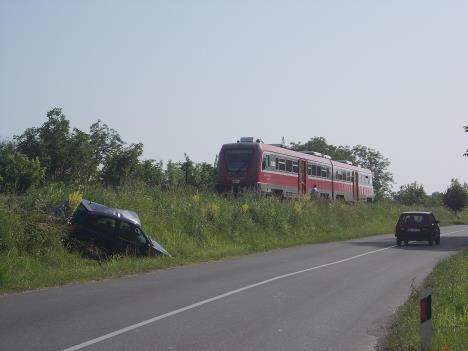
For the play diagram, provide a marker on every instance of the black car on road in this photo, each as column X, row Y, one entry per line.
column 417, row 226
column 112, row 230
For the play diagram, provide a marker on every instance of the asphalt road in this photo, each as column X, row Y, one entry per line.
column 334, row 296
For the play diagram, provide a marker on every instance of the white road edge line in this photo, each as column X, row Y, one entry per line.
column 219, row 297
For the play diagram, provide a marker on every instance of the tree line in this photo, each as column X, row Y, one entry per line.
column 54, row 152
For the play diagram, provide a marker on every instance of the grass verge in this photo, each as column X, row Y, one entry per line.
column 449, row 283
column 192, row 226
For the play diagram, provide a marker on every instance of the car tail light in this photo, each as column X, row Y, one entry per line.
column 401, row 227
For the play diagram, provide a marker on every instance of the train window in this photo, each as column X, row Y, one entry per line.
column 339, row 174
column 277, row 163
column 324, row 172
column 282, row 164
column 367, row 180
column 348, row 176
column 295, row 167
column 309, row 170
column 267, row 161
column 289, row 167
column 238, row 159
column 314, row 170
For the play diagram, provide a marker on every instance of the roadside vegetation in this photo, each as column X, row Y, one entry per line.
column 449, row 283
column 192, row 225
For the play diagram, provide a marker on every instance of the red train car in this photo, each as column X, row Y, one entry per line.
column 275, row 169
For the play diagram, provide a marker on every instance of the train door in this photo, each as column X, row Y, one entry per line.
column 356, row 186
column 302, row 178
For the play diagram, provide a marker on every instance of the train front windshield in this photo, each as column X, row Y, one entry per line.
column 237, row 160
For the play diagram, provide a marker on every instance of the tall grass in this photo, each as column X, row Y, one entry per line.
column 449, row 283
column 192, row 226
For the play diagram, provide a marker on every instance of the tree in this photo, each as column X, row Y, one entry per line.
column 123, row 165
column 18, row 173
column 456, row 196
column 204, row 175
column 319, row 144
column 150, row 172
column 78, row 156
column 65, row 156
column 174, row 175
column 411, row 194
column 105, row 141
column 378, row 164
column 187, row 168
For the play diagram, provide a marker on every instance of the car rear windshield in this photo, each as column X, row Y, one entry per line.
column 414, row 219
column 238, row 159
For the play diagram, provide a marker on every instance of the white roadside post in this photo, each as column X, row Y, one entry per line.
column 425, row 313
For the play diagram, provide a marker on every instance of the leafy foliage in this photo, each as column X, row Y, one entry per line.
column 360, row 155
column 378, row 164
column 17, row 172
column 319, row 144
column 456, row 196
column 122, row 165
column 411, row 194
column 75, row 156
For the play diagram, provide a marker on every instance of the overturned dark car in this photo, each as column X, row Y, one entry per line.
column 112, row 230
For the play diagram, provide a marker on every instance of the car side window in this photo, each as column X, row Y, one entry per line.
column 103, row 224
column 131, row 233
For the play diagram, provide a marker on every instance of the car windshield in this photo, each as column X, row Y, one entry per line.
column 413, row 219
column 238, row 159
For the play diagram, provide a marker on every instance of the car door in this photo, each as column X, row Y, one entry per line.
column 130, row 238
column 102, row 231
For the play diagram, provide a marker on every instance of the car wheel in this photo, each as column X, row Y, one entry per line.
column 431, row 241
column 406, row 242
column 438, row 240
column 398, row 241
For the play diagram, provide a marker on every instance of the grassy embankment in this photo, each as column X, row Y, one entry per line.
column 192, row 226
column 449, row 283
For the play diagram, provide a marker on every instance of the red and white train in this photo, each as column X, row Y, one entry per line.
column 276, row 169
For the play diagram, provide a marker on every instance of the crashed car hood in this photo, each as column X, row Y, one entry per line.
column 155, row 245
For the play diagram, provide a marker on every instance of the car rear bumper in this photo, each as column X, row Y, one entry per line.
column 407, row 236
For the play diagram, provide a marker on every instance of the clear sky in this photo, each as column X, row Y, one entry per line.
column 188, row 76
